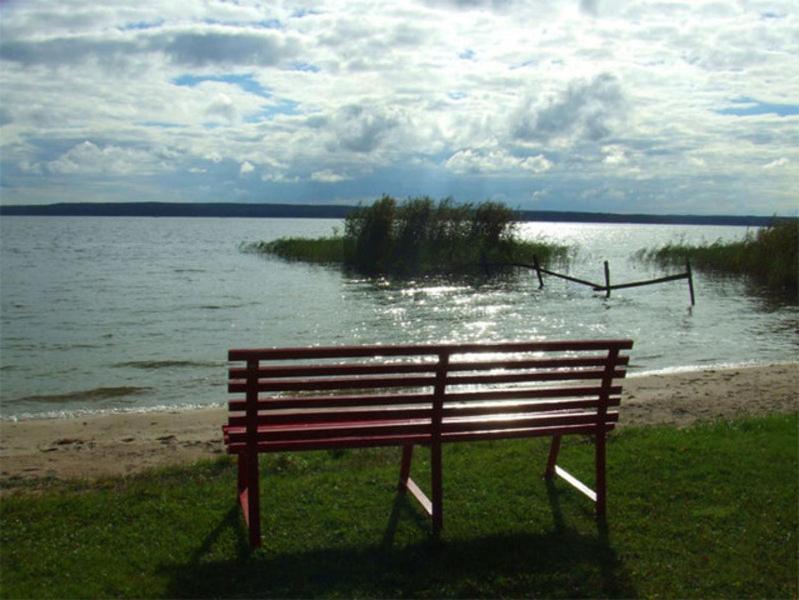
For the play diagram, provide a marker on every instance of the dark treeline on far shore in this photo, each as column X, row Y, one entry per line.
column 320, row 211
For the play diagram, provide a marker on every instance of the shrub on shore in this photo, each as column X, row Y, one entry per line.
column 771, row 256
column 420, row 236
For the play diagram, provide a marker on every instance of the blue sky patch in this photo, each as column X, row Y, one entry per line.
column 748, row 107
column 245, row 82
column 284, row 107
column 305, row 67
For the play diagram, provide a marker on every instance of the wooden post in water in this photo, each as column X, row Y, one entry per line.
column 538, row 272
column 607, row 280
column 690, row 280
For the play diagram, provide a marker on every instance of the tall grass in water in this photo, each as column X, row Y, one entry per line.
column 420, row 236
column 771, row 256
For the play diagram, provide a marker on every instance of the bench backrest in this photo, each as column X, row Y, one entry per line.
column 327, row 397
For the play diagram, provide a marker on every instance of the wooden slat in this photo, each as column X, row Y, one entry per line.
column 422, row 350
column 344, row 401
column 524, row 422
column 382, row 412
column 333, row 401
column 529, row 393
column 525, row 377
column 504, row 434
column 333, row 443
column 298, row 385
column 493, row 408
column 340, row 369
column 400, row 440
column 340, row 416
column 553, row 363
column 317, row 431
column 335, row 430
column 314, row 370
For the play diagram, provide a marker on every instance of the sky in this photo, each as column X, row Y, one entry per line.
column 626, row 106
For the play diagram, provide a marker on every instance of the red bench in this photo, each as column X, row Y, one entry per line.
column 316, row 398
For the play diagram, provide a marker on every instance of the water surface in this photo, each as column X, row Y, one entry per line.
column 102, row 313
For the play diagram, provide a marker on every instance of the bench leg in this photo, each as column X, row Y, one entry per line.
column 405, row 468
column 241, row 483
column 601, row 484
column 438, row 491
column 554, row 448
column 249, row 496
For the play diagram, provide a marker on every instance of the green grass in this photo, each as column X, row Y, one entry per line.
column 418, row 237
column 770, row 257
column 323, row 250
column 706, row 512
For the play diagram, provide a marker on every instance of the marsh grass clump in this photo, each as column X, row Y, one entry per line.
column 319, row 250
column 771, row 256
column 420, row 236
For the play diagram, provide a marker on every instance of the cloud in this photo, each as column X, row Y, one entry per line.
column 614, row 154
column 222, row 107
column 63, row 51
column 88, row 158
column 776, row 164
column 195, row 47
column 590, row 7
column 496, row 161
column 227, row 48
column 246, row 167
column 328, row 176
column 361, row 129
column 587, row 110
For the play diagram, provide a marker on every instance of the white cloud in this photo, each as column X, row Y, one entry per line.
column 88, row 158
column 776, row 164
column 614, row 154
column 328, row 176
column 246, row 167
column 495, row 162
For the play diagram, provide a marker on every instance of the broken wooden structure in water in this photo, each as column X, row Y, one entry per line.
column 608, row 287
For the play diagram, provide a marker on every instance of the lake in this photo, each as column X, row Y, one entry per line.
column 115, row 314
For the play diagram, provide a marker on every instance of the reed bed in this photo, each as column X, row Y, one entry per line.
column 770, row 256
column 420, row 236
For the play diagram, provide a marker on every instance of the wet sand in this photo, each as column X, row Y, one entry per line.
column 96, row 446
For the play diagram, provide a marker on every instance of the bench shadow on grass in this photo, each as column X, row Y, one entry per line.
column 559, row 562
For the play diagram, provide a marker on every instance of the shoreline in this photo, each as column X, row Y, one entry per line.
column 184, row 408
column 93, row 446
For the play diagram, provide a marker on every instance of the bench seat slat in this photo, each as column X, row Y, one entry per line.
column 377, row 441
column 377, row 413
column 368, row 429
column 288, row 403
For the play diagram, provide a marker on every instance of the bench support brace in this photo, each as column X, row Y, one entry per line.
column 553, row 469
column 431, row 507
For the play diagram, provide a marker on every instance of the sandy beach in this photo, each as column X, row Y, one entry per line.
column 91, row 447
